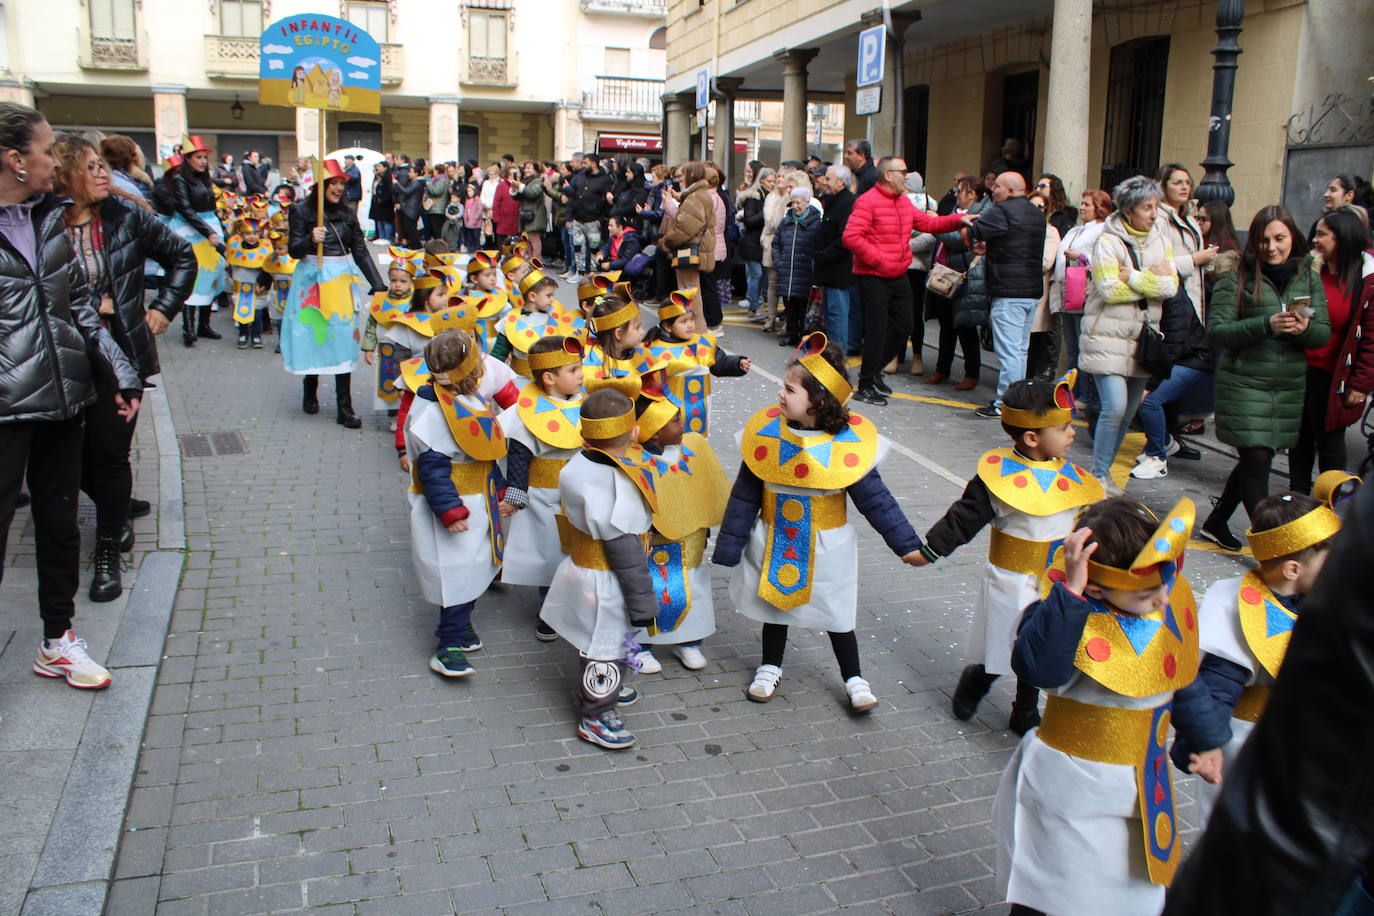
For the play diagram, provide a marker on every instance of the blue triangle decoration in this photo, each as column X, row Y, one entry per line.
column 572, row 414
column 1171, row 621
column 820, row 451
column 486, row 423
column 1045, row 477
column 1011, row 466
column 1276, row 619
column 543, row 405
column 1068, row 470
column 846, row 435
column 787, row 451
column 1139, row 630
column 772, row 429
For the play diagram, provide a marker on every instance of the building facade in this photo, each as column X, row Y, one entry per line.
column 1097, row 90
column 470, row 79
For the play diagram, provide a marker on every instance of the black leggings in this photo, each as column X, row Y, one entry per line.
column 106, row 476
column 845, row 645
column 1248, row 483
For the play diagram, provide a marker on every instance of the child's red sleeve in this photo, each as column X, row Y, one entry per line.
column 407, row 398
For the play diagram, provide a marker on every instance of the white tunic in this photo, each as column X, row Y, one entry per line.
column 1069, row 837
column 1002, row 594
column 700, row 621
column 532, row 550
column 834, row 575
column 1220, row 634
column 586, row 606
column 451, row 568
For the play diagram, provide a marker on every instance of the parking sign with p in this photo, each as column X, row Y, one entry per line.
column 872, row 45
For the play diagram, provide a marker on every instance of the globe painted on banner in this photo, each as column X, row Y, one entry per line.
column 315, row 61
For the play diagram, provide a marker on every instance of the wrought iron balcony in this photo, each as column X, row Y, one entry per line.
column 625, row 98
column 235, row 57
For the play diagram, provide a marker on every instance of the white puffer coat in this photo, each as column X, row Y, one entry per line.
column 1113, row 315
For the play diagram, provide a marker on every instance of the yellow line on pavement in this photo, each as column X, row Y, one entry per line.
column 943, row 402
column 1124, row 463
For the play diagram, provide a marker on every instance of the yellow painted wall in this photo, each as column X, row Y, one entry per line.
column 522, row 134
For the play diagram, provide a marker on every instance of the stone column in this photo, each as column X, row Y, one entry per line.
column 724, row 127
column 307, row 133
column 18, row 90
column 1066, row 122
column 677, row 144
column 567, row 130
column 794, row 64
column 443, row 128
column 169, row 118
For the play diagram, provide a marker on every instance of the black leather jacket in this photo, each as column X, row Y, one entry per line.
column 187, row 196
column 1293, row 825
column 50, row 334
column 343, row 236
column 134, row 235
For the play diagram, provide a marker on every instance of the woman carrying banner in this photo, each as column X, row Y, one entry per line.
column 320, row 332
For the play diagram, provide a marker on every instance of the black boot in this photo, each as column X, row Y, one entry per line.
column 974, row 684
column 310, row 402
column 203, row 328
column 343, row 396
column 188, row 325
column 105, row 584
column 1025, row 709
column 126, row 539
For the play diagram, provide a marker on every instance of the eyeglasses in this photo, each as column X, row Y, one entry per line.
column 1042, row 186
column 98, row 166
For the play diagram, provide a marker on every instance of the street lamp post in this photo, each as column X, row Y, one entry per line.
column 1215, row 185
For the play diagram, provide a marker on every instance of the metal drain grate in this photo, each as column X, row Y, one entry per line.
column 212, row 445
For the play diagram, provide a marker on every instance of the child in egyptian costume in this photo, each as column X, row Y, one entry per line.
column 1029, row 494
column 485, row 298
column 544, row 434
column 601, row 593
column 454, row 442
column 787, row 529
column 280, row 267
column 1245, row 621
column 692, row 493
column 403, row 271
column 690, row 358
column 247, row 254
column 617, row 331
column 538, row 316
column 1085, row 808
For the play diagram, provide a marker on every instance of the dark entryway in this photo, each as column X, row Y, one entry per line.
column 916, row 115
column 1020, row 108
column 362, row 134
column 1135, row 109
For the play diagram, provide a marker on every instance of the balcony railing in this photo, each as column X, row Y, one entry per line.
column 652, row 8
column 490, row 71
column 234, row 57
column 624, row 97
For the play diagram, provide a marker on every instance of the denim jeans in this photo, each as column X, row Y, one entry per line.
column 1182, row 380
column 753, row 279
column 1120, row 397
column 1011, row 329
column 386, row 229
column 837, row 316
column 855, row 338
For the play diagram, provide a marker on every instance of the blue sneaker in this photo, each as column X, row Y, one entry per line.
column 468, row 640
column 606, row 730
column 628, row 696
column 450, row 663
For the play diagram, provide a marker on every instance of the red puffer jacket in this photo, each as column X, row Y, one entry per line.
column 879, row 231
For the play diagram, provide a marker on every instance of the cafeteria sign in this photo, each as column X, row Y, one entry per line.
column 313, row 61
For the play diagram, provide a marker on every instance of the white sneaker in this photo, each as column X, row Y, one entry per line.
column 66, row 657
column 861, row 698
column 647, row 663
column 1150, row 468
column 765, row 683
column 692, row 658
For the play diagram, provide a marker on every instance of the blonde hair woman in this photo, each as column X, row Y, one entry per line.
column 774, row 209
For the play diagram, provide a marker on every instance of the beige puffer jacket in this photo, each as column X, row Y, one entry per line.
column 1112, row 316
column 1183, row 232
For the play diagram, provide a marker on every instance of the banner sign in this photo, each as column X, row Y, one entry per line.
column 314, row 61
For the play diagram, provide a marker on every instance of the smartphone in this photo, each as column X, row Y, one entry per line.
column 1299, row 304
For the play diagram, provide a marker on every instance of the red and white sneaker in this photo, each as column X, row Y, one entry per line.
column 67, row 657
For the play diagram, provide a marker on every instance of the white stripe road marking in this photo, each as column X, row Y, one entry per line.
column 922, row 460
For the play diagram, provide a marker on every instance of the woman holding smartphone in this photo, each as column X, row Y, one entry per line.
column 1263, row 318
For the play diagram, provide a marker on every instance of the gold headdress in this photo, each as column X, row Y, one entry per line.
column 1058, row 415
column 1157, row 562
column 1308, row 529
column 814, row 362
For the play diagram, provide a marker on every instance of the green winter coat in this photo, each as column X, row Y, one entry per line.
column 531, row 197
column 1261, row 376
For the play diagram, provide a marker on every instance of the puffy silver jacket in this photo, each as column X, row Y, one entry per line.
column 50, row 334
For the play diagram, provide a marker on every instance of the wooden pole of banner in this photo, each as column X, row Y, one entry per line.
column 319, row 198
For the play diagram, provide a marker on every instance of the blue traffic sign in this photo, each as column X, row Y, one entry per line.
column 872, row 47
column 703, row 88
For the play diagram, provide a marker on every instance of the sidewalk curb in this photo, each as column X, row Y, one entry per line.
column 76, row 867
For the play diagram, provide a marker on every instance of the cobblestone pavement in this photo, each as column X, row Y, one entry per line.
column 301, row 755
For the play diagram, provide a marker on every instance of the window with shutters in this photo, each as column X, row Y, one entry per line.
column 488, row 51
column 240, row 18
column 373, row 17
column 617, row 62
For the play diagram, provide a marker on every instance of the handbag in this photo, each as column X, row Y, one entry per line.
column 690, row 256
column 814, row 319
column 1075, row 288
column 526, row 215
column 637, row 264
column 1150, row 349
column 944, row 280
